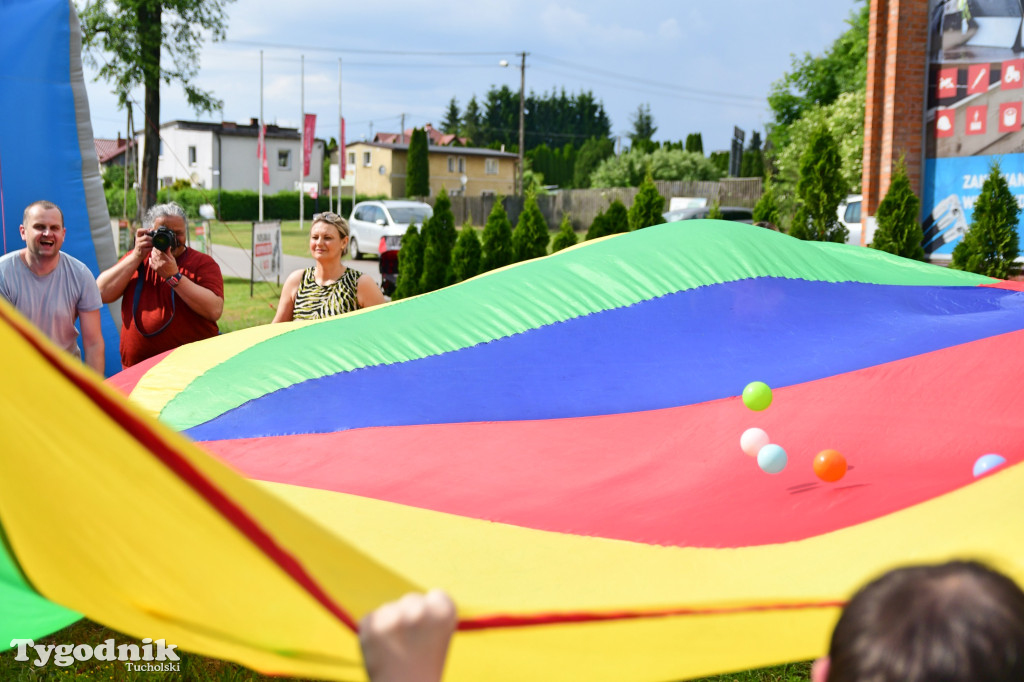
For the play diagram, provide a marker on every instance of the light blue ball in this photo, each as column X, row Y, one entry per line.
column 987, row 463
column 772, row 458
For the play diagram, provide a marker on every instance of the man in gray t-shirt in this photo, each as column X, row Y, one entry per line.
column 51, row 288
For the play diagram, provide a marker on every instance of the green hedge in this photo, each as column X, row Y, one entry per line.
column 241, row 205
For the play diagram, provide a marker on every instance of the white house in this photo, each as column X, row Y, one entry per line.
column 223, row 156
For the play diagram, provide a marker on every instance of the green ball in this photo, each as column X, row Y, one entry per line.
column 757, row 396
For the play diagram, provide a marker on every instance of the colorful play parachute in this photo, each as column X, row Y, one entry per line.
column 557, row 444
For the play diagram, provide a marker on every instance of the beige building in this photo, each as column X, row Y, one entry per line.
column 379, row 169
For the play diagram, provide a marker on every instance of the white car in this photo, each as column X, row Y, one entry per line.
column 849, row 215
column 372, row 221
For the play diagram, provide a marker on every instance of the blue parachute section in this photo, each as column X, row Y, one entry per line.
column 46, row 141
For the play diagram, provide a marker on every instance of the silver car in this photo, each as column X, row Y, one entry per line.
column 372, row 222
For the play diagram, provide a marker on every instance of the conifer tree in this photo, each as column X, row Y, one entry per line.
column 991, row 246
column 530, row 237
column 497, row 240
column 466, row 254
column 617, row 218
column 410, row 264
column 715, row 212
column 439, row 236
column 647, row 206
column 417, row 174
column 899, row 230
column 766, row 210
column 598, row 227
column 566, row 237
column 820, row 189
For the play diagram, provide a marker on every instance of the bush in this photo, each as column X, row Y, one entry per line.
column 530, row 238
column 899, row 231
column 715, row 212
column 417, row 178
column 466, row 254
column 497, row 240
column 439, row 236
column 410, row 265
column 566, row 237
column 647, row 206
column 820, row 190
column 767, row 208
column 991, row 245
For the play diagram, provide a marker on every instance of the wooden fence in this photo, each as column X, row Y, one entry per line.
column 583, row 205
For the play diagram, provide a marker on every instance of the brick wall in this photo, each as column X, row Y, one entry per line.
column 896, row 95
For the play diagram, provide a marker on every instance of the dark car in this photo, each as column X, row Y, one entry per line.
column 737, row 214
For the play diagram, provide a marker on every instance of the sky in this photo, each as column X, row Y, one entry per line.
column 702, row 67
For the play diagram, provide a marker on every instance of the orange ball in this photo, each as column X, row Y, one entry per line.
column 830, row 465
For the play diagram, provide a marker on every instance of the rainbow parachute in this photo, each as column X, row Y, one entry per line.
column 555, row 443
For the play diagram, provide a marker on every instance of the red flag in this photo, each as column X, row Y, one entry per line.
column 261, row 150
column 341, row 153
column 308, row 132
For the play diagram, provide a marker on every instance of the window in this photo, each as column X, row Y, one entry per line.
column 462, row 164
column 351, row 159
column 161, row 147
column 284, row 159
column 451, row 164
column 192, row 155
column 366, row 159
column 491, row 166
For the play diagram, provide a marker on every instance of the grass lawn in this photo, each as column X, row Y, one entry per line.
column 242, row 311
column 202, row 669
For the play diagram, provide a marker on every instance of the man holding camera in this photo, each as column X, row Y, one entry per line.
column 51, row 288
column 170, row 294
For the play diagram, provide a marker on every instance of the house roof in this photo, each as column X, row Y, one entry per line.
column 434, row 149
column 250, row 129
column 434, row 137
column 107, row 150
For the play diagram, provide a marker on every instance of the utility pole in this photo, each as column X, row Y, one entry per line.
column 401, row 135
column 522, row 117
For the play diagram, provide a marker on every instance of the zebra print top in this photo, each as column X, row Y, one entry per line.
column 313, row 302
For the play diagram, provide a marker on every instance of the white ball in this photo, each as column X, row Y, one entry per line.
column 752, row 440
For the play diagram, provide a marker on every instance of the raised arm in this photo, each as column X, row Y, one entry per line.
column 407, row 640
column 112, row 282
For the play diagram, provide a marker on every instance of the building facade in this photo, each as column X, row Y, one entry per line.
column 379, row 169
column 224, row 156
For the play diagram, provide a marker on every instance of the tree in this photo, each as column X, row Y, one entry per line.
column 695, row 143
column 136, row 33
column 113, row 177
column 720, row 160
column 715, row 212
column 466, row 254
column 417, row 173
column 591, row 154
column 899, row 231
column 819, row 81
column 820, row 190
column 452, row 121
column 643, row 129
column 598, row 227
column 752, row 163
column 616, row 218
column 530, row 237
column 410, row 264
column 497, row 239
column 472, row 120
column 766, row 210
column 439, row 235
column 647, row 207
column 991, row 245
column 566, row 236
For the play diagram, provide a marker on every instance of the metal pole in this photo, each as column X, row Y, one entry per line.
column 522, row 117
column 341, row 138
column 302, row 139
column 259, row 134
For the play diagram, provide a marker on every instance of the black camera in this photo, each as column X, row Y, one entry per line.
column 163, row 239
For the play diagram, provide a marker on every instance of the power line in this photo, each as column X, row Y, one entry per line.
column 335, row 50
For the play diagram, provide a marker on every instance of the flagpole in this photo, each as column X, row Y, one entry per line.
column 341, row 140
column 302, row 139
column 261, row 153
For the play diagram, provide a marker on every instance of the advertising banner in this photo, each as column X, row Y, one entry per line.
column 308, row 133
column 975, row 96
column 266, row 251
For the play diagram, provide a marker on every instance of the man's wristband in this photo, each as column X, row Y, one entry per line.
column 173, row 280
